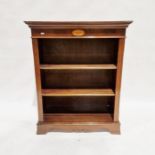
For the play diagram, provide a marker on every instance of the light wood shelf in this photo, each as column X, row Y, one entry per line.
column 81, row 118
column 77, row 66
column 78, row 92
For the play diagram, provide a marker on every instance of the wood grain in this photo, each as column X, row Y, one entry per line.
column 38, row 78
column 78, row 78
column 78, row 51
column 118, row 78
column 77, row 118
column 77, row 66
column 78, row 24
column 78, row 104
column 78, row 92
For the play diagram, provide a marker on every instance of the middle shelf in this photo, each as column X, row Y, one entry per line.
column 78, row 92
column 77, row 66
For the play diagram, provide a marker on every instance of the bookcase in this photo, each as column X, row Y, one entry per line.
column 78, row 68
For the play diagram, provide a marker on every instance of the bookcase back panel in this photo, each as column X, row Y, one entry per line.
column 78, row 79
column 78, row 51
column 87, row 104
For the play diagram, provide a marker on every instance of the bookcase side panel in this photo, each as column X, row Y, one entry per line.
column 118, row 78
column 37, row 78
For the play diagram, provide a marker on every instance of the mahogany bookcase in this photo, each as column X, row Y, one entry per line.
column 78, row 68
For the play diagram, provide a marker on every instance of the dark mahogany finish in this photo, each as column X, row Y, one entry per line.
column 78, row 68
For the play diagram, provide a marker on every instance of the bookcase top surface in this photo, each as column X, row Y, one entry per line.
column 82, row 24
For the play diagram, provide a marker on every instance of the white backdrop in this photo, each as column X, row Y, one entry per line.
column 18, row 111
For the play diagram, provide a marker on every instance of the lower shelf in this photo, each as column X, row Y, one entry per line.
column 77, row 118
column 78, row 123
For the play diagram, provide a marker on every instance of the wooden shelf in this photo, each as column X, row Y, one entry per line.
column 81, row 118
column 78, row 66
column 78, row 92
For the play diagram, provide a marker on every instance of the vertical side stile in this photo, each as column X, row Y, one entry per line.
column 121, row 43
column 38, row 78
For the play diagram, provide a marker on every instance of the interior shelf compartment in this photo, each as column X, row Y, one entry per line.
column 78, row 51
column 78, row 92
column 78, row 104
column 68, row 79
column 77, row 66
column 75, row 119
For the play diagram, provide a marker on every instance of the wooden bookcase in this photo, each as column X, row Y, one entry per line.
column 78, row 68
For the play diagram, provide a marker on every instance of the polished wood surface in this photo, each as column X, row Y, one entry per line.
column 74, row 24
column 78, row 104
column 106, row 29
column 38, row 78
column 77, row 118
column 78, row 79
column 78, row 92
column 78, row 67
column 78, row 51
column 118, row 78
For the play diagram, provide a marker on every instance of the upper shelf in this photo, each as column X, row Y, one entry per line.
column 78, row 66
